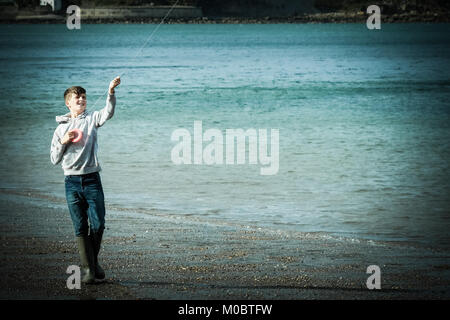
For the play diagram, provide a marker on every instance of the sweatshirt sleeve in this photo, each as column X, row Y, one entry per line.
column 107, row 112
column 57, row 149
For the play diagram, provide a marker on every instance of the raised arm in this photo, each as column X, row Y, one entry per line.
column 108, row 111
column 114, row 83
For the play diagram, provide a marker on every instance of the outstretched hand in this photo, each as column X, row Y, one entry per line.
column 114, row 83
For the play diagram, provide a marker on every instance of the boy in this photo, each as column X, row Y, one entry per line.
column 84, row 192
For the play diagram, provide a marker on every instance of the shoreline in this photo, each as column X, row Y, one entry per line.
column 318, row 18
column 59, row 202
column 163, row 257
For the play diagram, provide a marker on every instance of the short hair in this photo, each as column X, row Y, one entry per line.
column 75, row 89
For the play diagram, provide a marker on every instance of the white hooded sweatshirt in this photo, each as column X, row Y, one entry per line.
column 80, row 157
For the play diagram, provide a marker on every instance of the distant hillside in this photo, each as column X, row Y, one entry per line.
column 280, row 8
column 387, row 6
column 270, row 8
column 230, row 8
column 248, row 11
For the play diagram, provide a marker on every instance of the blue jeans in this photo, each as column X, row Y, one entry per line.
column 84, row 194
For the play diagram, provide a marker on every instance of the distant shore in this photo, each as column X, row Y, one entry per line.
column 332, row 17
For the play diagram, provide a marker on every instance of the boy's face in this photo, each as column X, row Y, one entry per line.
column 77, row 103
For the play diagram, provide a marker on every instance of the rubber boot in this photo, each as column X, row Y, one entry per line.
column 96, row 239
column 87, row 259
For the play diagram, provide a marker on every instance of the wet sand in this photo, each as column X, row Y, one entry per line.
column 158, row 256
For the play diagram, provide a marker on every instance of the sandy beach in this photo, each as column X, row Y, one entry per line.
column 157, row 256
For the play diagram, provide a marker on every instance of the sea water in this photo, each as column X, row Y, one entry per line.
column 363, row 119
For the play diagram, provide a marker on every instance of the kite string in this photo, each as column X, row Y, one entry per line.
column 145, row 44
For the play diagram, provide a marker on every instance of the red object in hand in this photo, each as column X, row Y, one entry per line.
column 78, row 135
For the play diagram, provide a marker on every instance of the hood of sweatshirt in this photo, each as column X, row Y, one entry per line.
column 66, row 117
